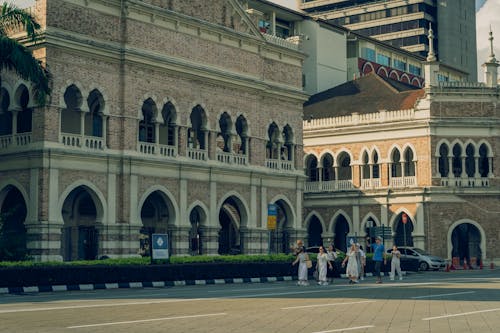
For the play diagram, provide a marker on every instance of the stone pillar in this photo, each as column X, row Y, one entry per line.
column 212, row 144
column 463, row 174
column 44, row 240
column 356, row 175
column 384, row 174
column 179, row 240
column 182, row 141
column 209, row 240
column 476, row 164
column 14, row 112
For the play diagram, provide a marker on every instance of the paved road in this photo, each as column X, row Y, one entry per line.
column 467, row 301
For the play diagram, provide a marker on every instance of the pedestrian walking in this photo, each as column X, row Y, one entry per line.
column 362, row 260
column 302, row 259
column 352, row 264
column 321, row 266
column 332, row 256
column 378, row 251
column 396, row 263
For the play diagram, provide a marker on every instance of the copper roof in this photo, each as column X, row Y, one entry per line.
column 368, row 94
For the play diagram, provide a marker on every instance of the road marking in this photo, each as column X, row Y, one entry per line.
column 347, row 329
column 249, row 289
column 461, row 314
column 149, row 320
column 321, row 305
column 429, row 296
column 101, row 305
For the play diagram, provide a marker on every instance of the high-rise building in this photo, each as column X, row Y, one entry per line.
column 405, row 24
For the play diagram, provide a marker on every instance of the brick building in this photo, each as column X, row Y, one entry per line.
column 165, row 117
column 422, row 161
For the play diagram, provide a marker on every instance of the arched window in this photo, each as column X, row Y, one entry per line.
column 168, row 129
column 225, row 126
column 484, row 164
column 376, row 166
column 273, row 143
column 147, row 124
column 196, row 134
column 93, row 119
column 409, row 164
column 328, row 171
column 288, row 146
column 312, row 168
column 24, row 116
column 344, row 163
column 457, row 160
column 242, row 129
column 444, row 167
column 70, row 116
column 365, row 174
column 396, row 164
column 470, row 160
column 5, row 115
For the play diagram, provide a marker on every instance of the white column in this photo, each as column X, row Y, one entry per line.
column 463, row 174
column 183, row 204
column 476, row 164
column 82, row 123
column 134, row 217
column 450, row 167
column 111, row 218
column 263, row 207
column 214, row 213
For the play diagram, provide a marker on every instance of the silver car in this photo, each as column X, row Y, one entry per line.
column 425, row 260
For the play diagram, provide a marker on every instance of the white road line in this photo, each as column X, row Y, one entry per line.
column 461, row 314
column 249, row 289
column 429, row 296
column 148, row 320
column 322, row 305
column 346, row 329
column 65, row 307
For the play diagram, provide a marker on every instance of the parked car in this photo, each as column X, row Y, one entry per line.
column 425, row 260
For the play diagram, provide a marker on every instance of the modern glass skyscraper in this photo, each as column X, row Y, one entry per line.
column 405, row 24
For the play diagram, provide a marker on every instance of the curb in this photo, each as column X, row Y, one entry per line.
column 130, row 285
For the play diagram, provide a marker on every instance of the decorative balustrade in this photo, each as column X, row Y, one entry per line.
column 82, row 141
column 465, row 182
column 15, row 140
column 197, row 154
column 329, row 186
column 460, row 84
column 283, row 42
column 360, row 119
column 370, row 183
column 231, row 158
column 168, row 151
column 276, row 164
column 408, row 181
column 147, row 148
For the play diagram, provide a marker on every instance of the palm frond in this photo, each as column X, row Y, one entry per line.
column 17, row 58
column 12, row 17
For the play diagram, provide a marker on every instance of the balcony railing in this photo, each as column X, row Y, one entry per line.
column 231, row 158
column 82, row 141
column 197, row 154
column 465, row 182
column 329, row 186
column 276, row 164
column 370, row 183
column 408, row 181
column 15, row 140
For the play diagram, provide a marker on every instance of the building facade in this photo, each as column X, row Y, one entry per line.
column 405, row 24
column 165, row 117
column 421, row 161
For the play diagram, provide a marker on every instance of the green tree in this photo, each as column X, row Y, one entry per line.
column 15, row 56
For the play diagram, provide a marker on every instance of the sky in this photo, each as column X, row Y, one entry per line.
column 488, row 14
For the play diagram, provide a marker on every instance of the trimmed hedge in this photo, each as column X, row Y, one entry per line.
column 139, row 270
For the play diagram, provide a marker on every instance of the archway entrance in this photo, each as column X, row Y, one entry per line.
column 341, row 231
column 229, row 235
column 197, row 218
column 12, row 230
column 466, row 245
column 82, row 213
column 155, row 214
column 369, row 234
column 314, row 231
column 404, row 230
column 280, row 238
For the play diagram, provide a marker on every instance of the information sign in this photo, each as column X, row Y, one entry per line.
column 160, row 246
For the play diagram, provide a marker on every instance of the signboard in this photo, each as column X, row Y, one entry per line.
column 160, row 246
column 384, row 232
column 272, row 214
